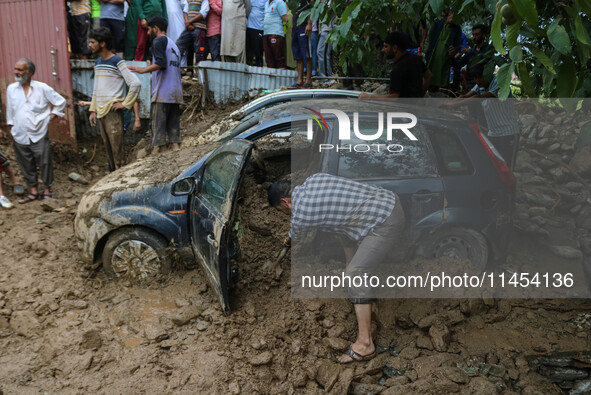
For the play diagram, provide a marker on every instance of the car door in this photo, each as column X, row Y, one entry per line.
column 212, row 208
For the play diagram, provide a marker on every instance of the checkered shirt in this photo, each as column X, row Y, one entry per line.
column 336, row 204
column 79, row 7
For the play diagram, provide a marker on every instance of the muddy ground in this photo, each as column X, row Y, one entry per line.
column 65, row 329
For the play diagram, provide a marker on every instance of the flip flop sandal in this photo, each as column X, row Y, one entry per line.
column 29, row 198
column 356, row 357
column 295, row 86
column 18, row 189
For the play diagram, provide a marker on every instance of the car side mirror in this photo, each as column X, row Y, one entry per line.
column 183, row 187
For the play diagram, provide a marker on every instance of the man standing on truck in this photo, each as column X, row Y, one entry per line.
column 371, row 217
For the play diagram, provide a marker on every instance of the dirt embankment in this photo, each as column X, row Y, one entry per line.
column 65, row 330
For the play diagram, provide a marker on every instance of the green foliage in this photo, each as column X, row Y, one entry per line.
column 548, row 46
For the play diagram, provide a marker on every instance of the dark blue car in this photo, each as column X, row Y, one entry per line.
column 457, row 193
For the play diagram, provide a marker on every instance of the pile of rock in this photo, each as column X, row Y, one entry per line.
column 570, row 371
column 552, row 173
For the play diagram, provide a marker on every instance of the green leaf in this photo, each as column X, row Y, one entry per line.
column 525, row 79
column 527, row 10
column 559, row 37
column 516, row 54
column 585, row 5
column 542, row 57
column 490, row 5
column 303, row 16
column 580, row 31
column 436, row 6
column 512, row 33
column 504, row 75
column 495, row 31
column 566, row 80
column 464, row 4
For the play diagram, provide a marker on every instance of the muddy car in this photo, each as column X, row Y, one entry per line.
column 456, row 191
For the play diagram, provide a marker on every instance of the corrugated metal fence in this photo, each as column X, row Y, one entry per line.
column 233, row 80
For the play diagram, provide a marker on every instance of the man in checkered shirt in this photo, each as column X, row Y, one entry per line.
column 368, row 215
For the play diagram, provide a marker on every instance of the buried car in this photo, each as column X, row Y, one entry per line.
column 457, row 193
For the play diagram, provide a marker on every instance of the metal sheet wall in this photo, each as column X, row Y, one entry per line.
column 233, row 80
column 37, row 29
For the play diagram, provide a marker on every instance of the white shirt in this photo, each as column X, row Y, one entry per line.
column 29, row 114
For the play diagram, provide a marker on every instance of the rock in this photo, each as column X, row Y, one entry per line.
column 366, row 389
column 567, row 252
column 336, row 331
column 558, row 174
column 452, row 373
column 91, row 340
column 583, row 220
column 50, row 205
column 481, row 386
column 424, row 342
column 556, row 374
column 261, row 359
column 336, row 344
column 440, row 337
column 202, row 325
column 537, row 211
column 327, row 374
column 448, row 318
column 574, row 186
column 74, row 304
column 397, row 381
column 582, row 387
column 154, row 331
column 343, row 383
column 234, row 388
column 78, row 178
column 261, row 230
column 377, row 364
column 327, row 323
column 409, row 353
column 185, row 314
column 497, row 370
column 581, row 161
column 424, row 366
column 24, row 323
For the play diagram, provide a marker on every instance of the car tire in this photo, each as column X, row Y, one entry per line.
column 136, row 254
column 459, row 243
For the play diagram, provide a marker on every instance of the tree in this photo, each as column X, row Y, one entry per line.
column 547, row 43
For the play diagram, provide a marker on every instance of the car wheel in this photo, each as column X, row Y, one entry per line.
column 458, row 243
column 135, row 254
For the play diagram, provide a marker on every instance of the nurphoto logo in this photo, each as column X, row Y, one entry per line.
column 392, row 121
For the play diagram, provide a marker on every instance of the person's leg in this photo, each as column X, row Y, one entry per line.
column 269, row 51
column 309, row 71
column 214, row 43
column 118, row 31
column 300, row 68
column 314, row 43
column 142, row 39
column 298, row 56
column 159, row 126
column 280, row 56
column 258, row 48
column 173, row 125
column 26, row 161
column 42, row 151
column 321, row 54
column 184, row 42
column 200, row 45
column 250, row 46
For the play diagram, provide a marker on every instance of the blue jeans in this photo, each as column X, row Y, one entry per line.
column 314, row 42
column 324, row 50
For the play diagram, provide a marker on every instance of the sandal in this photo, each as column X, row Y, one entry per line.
column 18, row 188
column 29, row 198
column 295, row 86
column 356, row 357
column 47, row 196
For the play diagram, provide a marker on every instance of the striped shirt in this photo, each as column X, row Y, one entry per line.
column 79, row 7
column 196, row 8
column 110, row 79
column 500, row 114
column 336, row 204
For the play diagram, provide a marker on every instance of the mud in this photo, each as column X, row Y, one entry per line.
column 66, row 330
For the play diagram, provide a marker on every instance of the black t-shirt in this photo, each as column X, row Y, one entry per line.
column 304, row 5
column 406, row 77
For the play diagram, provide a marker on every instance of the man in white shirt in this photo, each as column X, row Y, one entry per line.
column 30, row 107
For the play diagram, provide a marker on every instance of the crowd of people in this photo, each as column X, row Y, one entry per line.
column 197, row 29
column 245, row 31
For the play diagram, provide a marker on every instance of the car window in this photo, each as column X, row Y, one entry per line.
column 405, row 159
column 218, row 178
column 452, row 155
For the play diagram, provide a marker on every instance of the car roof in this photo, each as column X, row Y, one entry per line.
column 287, row 95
